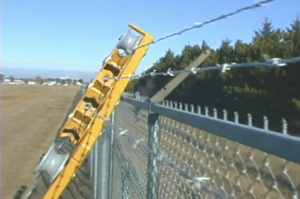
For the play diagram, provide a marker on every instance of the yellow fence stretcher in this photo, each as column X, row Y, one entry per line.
column 86, row 122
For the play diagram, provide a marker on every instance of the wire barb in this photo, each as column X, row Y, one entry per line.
column 89, row 107
column 201, row 24
column 199, row 182
column 274, row 62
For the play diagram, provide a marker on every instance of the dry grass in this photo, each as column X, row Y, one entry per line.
column 30, row 117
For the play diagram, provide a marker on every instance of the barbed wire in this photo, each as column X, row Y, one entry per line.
column 200, row 25
column 272, row 63
column 198, row 182
column 89, row 107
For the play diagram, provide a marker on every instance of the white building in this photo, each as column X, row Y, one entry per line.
column 18, row 81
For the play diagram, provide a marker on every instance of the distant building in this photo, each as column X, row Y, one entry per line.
column 18, row 81
column 52, row 83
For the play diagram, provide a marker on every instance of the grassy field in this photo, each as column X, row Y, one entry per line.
column 30, row 118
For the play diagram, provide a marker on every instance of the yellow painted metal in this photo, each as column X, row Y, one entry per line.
column 137, row 29
column 87, row 125
column 99, row 89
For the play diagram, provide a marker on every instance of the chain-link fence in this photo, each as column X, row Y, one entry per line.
column 162, row 151
column 160, row 157
column 173, row 151
column 80, row 186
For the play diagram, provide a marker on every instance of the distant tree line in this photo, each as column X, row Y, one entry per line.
column 40, row 80
column 262, row 92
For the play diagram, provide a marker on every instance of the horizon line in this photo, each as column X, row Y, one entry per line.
column 51, row 69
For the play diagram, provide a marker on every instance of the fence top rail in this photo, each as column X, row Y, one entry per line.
column 282, row 145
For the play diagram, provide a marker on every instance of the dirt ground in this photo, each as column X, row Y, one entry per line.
column 30, row 118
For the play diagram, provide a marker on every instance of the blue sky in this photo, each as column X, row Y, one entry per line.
column 77, row 34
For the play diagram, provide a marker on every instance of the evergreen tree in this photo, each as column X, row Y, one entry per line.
column 262, row 92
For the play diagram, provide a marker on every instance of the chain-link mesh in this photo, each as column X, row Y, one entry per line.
column 234, row 169
column 191, row 163
column 80, row 186
column 269, row 64
column 133, row 159
column 231, row 170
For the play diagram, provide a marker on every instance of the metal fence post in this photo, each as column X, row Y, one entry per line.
column 152, row 167
column 111, row 156
column 101, row 163
column 105, row 155
column 102, row 176
column 91, row 161
column 95, row 167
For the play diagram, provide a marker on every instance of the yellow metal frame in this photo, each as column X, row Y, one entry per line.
column 86, row 124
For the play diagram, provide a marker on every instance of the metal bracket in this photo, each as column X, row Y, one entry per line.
column 166, row 90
